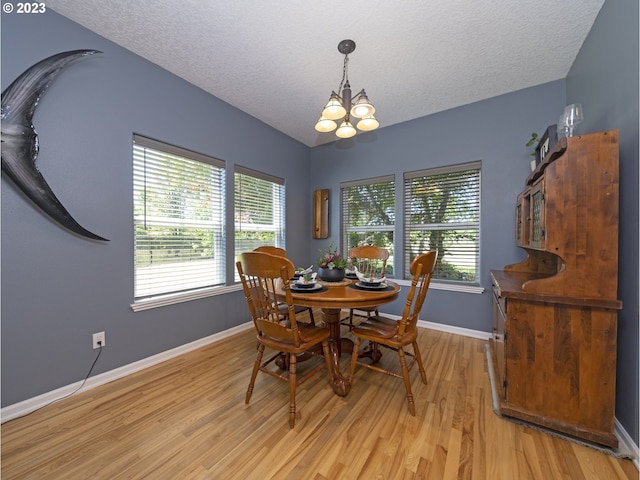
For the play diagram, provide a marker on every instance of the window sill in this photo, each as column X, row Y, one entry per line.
column 165, row 300
column 451, row 287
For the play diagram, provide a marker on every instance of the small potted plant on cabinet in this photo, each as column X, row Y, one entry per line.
column 533, row 142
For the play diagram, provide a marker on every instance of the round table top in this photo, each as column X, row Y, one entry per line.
column 345, row 296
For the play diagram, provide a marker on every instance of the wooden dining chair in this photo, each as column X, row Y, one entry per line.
column 371, row 262
column 261, row 274
column 398, row 334
column 281, row 252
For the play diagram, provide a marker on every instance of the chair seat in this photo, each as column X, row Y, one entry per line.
column 348, row 321
column 377, row 327
column 367, row 309
column 309, row 335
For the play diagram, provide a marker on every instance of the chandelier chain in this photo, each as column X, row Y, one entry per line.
column 345, row 73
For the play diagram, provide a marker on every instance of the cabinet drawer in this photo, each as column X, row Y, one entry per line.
column 500, row 302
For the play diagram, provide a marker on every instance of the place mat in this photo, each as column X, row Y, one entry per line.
column 346, row 281
column 388, row 288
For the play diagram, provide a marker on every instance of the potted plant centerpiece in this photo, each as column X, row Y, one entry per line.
column 331, row 265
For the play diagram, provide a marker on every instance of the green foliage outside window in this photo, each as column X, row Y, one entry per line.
column 368, row 216
column 442, row 211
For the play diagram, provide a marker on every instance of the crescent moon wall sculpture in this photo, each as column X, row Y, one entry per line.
column 20, row 140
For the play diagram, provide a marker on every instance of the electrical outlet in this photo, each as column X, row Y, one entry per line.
column 99, row 340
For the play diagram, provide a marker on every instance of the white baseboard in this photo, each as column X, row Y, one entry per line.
column 465, row 332
column 27, row 406
column 626, row 443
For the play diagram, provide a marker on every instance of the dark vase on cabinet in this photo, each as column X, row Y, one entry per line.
column 555, row 313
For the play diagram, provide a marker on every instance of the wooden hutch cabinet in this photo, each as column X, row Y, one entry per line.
column 555, row 313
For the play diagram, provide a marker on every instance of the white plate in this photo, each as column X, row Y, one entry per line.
column 296, row 288
column 364, row 278
column 379, row 286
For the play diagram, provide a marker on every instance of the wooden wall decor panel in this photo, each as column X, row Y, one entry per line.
column 321, row 213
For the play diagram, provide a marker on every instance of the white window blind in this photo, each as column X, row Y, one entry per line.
column 178, row 209
column 259, row 210
column 442, row 211
column 368, row 214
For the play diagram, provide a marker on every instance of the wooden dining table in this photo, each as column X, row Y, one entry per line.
column 331, row 299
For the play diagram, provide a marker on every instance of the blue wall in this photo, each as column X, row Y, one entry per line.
column 604, row 78
column 57, row 288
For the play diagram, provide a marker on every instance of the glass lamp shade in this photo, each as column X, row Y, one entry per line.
column 368, row 123
column 325, row 125
column 362, row 108
column 334, row 110
column 346, row 130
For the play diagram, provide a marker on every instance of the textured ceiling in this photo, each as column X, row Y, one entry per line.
column 278, row 60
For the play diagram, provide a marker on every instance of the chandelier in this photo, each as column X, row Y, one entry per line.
column 343, row 107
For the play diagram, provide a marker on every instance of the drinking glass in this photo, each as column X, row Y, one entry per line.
column 562, row 128
column 574, row 116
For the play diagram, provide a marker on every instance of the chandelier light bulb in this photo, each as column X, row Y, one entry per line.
column 368, row 123
column 325, row 125
column 334, row 110
column 362, row 108
column 346, row 130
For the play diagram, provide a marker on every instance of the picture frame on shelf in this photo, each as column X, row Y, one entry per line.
column 547, row 142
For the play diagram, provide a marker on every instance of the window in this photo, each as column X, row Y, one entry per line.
column 368, row 214
column 178, row 214
column 442, row 211
column 259, row 210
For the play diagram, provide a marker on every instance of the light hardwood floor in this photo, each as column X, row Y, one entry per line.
column 186, row 418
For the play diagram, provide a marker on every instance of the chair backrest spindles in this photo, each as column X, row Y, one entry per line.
column 422, row 269
column 369, row 259
column 261, row 275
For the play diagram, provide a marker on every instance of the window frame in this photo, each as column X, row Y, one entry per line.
column 278, row 227
column 475, row 225
column 347, row 229
column 217, row 282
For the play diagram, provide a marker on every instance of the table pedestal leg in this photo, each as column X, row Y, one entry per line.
column 337, row 346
